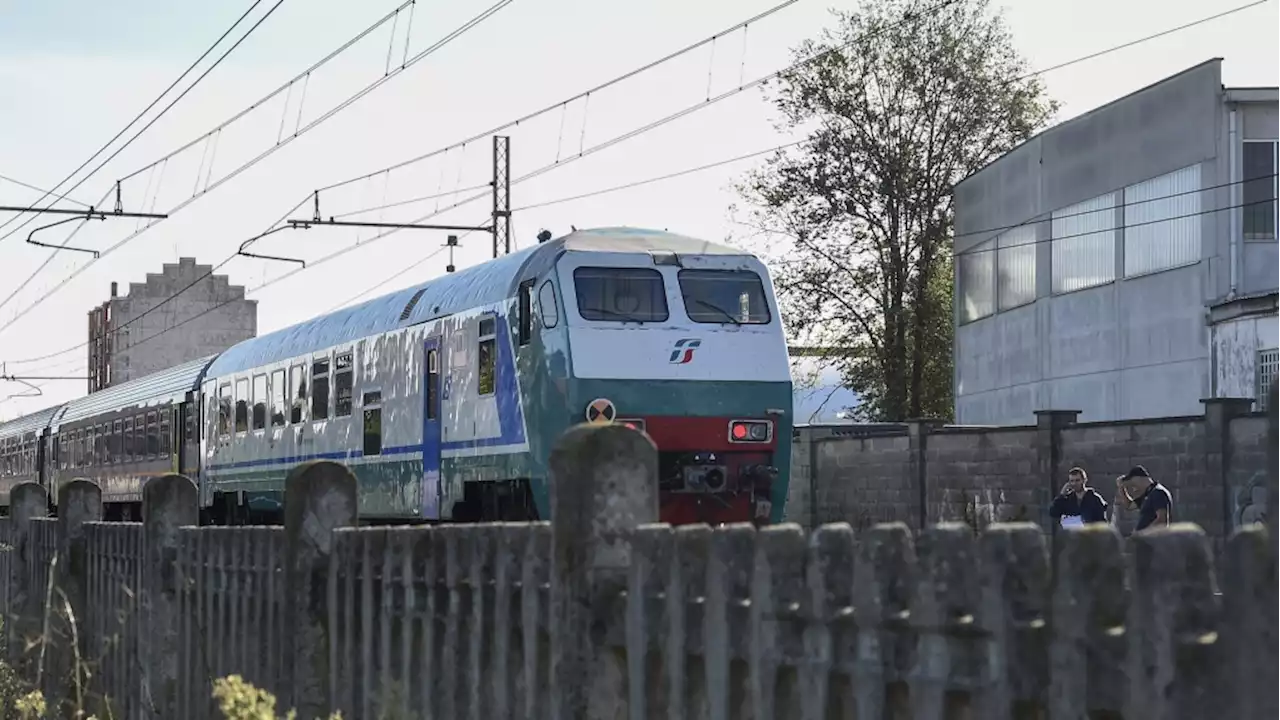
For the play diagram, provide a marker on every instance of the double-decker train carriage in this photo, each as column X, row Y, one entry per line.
column 444, row 399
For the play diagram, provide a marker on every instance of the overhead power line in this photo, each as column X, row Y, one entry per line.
column 147, row 109
column 614, row 141
column 209, row 187
column 46, row 194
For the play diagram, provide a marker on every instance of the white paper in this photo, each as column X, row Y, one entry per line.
column 1072, row 521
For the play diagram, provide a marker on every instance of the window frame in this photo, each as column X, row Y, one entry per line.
column 296, row 395
column 371, row 406
column 1275, row 190
column 140, row 436
column 326, row 375
column 257, row 403
column 524, row 311
column 547, row 295
column 491, row 338
column 339, row 374
column 152, row 435
column 577, row 296
column 242, row 402
column 225, row 410
column 127, row 449
column 694, row 272
column 432, row 389
column 277, row 389
column 164, row 431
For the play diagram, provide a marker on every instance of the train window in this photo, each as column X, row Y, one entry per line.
column 259, row 402
column 153, row 436
column 433, row 384
column 100, row 445
column 126, row 450
column 526, row 312
column 114, row 442
column 140, row 436
column 371, row 405
column 485, row 355
column 342, row 384
column 620, row 294
column 224, row 410
column 278, row 386
column 55, row 446
column 163, row 432
column 547, row 305
column 320, row 389
column 242, row 405
column 735, row 297
column 297, row 407
column 188, row 423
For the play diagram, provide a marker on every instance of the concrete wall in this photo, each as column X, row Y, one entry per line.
column 209, row 317
column 1213, row 464
column 1136, row 347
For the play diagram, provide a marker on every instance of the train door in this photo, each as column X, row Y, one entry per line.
column 431, row 429
column 187, row 429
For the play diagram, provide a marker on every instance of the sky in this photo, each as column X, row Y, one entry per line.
column 73, row 72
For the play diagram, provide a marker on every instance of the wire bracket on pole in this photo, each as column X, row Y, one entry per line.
column 277, row 258
column 501, row 194
column 315, row 215
column 451, row 244
column 119, row 205
column 82, row 215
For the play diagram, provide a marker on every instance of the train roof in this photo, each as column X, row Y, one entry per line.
column 35, row 422
column 482, row 284
column 158, row 387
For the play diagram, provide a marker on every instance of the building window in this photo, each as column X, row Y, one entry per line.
column 1267, row 362
column 297, row 409
column 242, row 405
column 1016, row 267
column 1162, row 222
column 485, row 354
column 976, row 269
column 320, row 389
column 1259, row 196
column 343, row 382
column 278, row 387
column 259, row 402
column 1084, row 244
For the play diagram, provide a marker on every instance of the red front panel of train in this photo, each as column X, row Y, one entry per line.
column 713, row 470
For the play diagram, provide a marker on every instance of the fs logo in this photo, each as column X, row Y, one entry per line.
column 682, row 353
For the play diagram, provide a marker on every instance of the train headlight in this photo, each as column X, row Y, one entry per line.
column 750, row 431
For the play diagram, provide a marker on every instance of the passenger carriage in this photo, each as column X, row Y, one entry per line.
column 445, row 398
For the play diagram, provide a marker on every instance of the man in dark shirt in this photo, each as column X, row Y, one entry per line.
column 1137, row 490
column 1078, row 503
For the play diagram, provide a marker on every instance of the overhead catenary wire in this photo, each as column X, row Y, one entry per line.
column 457, row 32
column 147, row 109
column 461, row 144
column 47, row 193
column 632, row 134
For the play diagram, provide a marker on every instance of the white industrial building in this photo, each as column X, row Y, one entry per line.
column 1123, row 263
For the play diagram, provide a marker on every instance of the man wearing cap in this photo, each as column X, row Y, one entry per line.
column 1137, row 490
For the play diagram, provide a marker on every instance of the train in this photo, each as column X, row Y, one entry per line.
column 445, row 398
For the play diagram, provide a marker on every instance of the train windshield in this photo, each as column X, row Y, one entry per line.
column 620, row 294
column 724, row 296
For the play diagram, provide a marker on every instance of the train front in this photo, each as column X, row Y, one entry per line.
column 689, row 348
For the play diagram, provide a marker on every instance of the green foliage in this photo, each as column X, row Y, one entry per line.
column 899, row 102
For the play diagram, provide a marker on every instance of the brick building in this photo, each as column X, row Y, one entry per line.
column 142, row 332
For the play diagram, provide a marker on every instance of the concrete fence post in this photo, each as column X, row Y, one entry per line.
column 319, row 497
column 26, row 501
column 604, row 483
column 79, row 502
column 1218, row 414
column 168, row 503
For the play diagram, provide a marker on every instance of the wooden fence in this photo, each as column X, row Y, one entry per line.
column 604, row 614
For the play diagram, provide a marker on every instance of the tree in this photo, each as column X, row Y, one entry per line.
column 897, row 103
